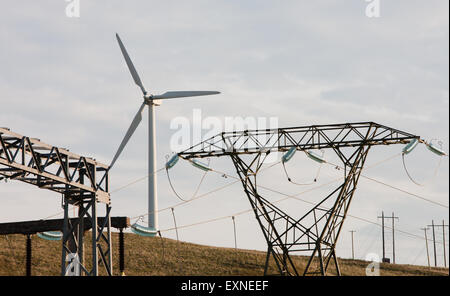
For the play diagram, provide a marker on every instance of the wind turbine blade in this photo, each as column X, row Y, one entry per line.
column 134, row 124
column 183, row 94
column 130, row 65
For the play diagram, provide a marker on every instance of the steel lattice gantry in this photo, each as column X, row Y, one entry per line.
column 82, row 181
column 317, row 231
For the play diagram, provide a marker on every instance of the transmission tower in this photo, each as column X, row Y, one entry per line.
column 318, row 230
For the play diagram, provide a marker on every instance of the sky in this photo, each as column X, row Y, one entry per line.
column 63, row 80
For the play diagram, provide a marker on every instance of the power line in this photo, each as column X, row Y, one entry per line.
column 227, row 175
column 369, row 178
column 136, row 181
column 295, row 197
column 185, row 202
column 287, row 196
column 275, row 191
column 209, row 220
column 372, row 242
column 407, row 192
column 418, row 255
column 397, row 188
column 207, row 193
column 113, row 191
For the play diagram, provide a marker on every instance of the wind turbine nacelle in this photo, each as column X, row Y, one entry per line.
column 150, row 101
column 157, row 102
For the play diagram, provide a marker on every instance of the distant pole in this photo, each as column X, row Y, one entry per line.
column 175, row 223
column 443, row 242
column 382, row 235
column 353, row 247
column 434, row 243
column 121, row 253
column 384, row 249
column 234, row 228
column 28, row 258
column 393, row 236
column 426, row 244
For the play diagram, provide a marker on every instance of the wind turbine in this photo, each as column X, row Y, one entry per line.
column 151, row 101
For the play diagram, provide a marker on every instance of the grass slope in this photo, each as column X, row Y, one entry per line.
column 146, row 256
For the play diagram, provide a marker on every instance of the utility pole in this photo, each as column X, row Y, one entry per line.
column 434, row 243
column 443, row 241
column 426, row 243
column 353, row 246
column 382, row 237
column 234, row 228
column 393, row 237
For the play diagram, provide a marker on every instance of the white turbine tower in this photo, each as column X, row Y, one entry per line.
column 151, row 101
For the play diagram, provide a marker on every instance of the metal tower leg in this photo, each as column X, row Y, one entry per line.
column 266, row 215
column 72, row 261
column 29, row 256
column 94, row 231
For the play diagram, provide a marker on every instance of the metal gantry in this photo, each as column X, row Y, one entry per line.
column 82, row 181
column 317, row 231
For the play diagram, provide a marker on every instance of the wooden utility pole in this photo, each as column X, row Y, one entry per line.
column 434, row 243
column 382, row 237
column 28, row 256
column 426, row 244
column 443, row 241
column 393, row 237
column 353, row 246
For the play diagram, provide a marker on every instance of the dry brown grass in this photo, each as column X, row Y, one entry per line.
column 146, row 256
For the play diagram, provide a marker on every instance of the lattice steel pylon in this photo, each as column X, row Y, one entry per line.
column 82, row 181
column 317, row 231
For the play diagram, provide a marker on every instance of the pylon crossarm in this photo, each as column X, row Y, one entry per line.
column 332, row 136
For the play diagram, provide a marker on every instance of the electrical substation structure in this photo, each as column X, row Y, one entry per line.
column 318, row 230
column 51, row 229
column 83, row 183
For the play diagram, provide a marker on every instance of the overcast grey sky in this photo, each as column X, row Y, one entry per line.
column 64, row 80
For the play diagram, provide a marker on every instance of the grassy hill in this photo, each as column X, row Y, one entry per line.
column 156, row 256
